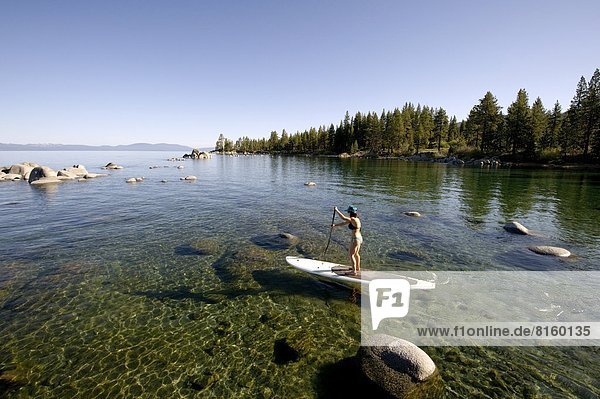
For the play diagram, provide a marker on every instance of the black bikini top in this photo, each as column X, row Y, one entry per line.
column 352, row 227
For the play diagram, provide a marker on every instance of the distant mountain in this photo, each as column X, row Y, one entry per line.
column 75, row 147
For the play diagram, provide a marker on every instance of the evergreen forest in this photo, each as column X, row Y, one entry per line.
column 525, row 132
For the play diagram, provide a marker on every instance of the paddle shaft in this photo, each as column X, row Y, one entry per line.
column 330, row 231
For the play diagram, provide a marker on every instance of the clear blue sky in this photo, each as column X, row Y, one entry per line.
column 118, row 72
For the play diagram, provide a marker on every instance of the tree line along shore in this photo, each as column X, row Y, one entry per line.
column 525, row 133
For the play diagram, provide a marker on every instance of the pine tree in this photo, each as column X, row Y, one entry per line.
column 273, row 144
column 595, row 109
column 220, row 144
column 424, row 127
column 396, row 123
column 440, row 129
column 373, row 133
column 539, row 123
column 407, row 117
column 518, row 122
column 453, row 130
column 358, row 128
column 284, row 141
column 312, row 140
column 485, row 122
column 572, row 131
column 591, row 111
column 347, row 132
column 462, row 128
column 330, row 137
column 550, row 137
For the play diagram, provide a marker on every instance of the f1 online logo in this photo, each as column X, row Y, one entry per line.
column 388, row 298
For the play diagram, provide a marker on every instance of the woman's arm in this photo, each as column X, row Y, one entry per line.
column 341, row 215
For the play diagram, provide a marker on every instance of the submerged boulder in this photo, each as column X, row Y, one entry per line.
column 303, row 343
column 396, row 365
column 516, row 228
column 12, row 379
column 284, row 353
column 552, row 251
column 206, row 246
column 290, row 237
column 276, row 242
column 237, row 266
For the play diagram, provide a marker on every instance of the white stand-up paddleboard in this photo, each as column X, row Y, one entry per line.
column 342, row 274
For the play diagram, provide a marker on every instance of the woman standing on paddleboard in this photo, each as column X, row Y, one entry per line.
column 354, row 225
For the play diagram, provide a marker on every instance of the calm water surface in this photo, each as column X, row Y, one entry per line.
column 180, row 289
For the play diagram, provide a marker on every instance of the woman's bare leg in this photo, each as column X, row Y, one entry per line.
column 357, row 257
column 352, row 252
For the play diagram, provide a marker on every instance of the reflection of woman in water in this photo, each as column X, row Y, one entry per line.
column 354, row 225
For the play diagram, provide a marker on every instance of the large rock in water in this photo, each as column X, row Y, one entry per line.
column 553, row 251
column 23, row 169
column 413, row 214
column 516, row 228
column 197, row 154
column 112, row 166
column 396, row 365
column 41, row 172
column 77, row 170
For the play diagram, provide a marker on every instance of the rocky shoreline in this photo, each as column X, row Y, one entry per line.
column 481, row 162
column 38, row 175
column 490, row 162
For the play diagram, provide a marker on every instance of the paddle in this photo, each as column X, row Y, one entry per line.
column 330, row 231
